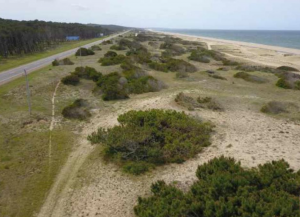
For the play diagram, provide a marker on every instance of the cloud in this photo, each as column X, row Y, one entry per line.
column 80, row 7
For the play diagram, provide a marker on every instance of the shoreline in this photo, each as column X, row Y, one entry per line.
column 240, row 43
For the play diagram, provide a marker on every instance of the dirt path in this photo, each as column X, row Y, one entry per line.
column 52, row 126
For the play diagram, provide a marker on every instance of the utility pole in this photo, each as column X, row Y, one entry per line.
column 28, row 92
column 80, row 58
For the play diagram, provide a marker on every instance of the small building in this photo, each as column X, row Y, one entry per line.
column 72, row 38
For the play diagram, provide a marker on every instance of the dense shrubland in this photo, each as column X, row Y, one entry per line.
column 112, row 58
column 173, row 65
column 84, row 52
column 77, row 110
column 172, row 49
column 226, row 189
column 145, row 139
column 63, row 62
column 203, row 55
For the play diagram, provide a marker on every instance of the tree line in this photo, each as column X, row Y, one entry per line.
column 23, row 37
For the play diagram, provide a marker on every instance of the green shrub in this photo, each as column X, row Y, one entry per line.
column 108, row 61
column 226, row 189
column 77, row 110
column 287, row 68
column 182, row 75
column 186, row 101
column 275, row 107
column 251, row 68
column 87, row 73
column 63, row 62
column 117, row 47
column 137, row 168
column 217, row 77
column 151, row 138
column 227, row 62
column 199, row 57
column 84, row 52
column 96, row 48
column 70, row 80
column 297, row 85
column 251, row 78
column 55, row 63
column 204, row 55
column 173, row 65
column 106, row 42
column 172, row 49
column 283, row 83
column 112, row 88
column 162, row 67
column 110, row 54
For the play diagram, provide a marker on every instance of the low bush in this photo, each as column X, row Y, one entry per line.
column 70, row 80
column 62, row 62
column 217, row 77
column 227, row 62
column 107, row 42
column 251, row 68
column 283, row 83
column 182, row 75
column 150, row 138
column 113, row 60
column 287, row 68
column 225, row 189
column 172, row 49
column 117, row 47
column 84, row 52
column 113, row 87
column 297, row 85
column 96, row 48
column 173, row 65
column 275, row 107
column 77, row 110
column 203, row 55
column 251, row 78
column 199, row 57
column 55, row 63
column 87, row 73
column 186, row 101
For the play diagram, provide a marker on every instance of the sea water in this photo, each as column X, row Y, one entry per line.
column 289, row 39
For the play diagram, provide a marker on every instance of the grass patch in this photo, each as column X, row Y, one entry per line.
column 146, row 139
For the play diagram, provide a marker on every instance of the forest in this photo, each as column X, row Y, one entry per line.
column 24, row 37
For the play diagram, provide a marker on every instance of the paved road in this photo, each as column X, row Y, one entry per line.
column 14, row 73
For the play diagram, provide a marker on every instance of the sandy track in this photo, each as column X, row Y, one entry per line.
column 254, row 138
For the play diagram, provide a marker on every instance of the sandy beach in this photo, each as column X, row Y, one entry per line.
column 243, row 51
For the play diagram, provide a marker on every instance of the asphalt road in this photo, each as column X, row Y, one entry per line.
column 14, row 73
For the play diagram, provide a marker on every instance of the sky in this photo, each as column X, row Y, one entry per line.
column 181, row 14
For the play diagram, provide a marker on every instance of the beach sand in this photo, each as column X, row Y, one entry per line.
column 257, row 53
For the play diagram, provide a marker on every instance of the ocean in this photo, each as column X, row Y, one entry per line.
column 288, row 39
